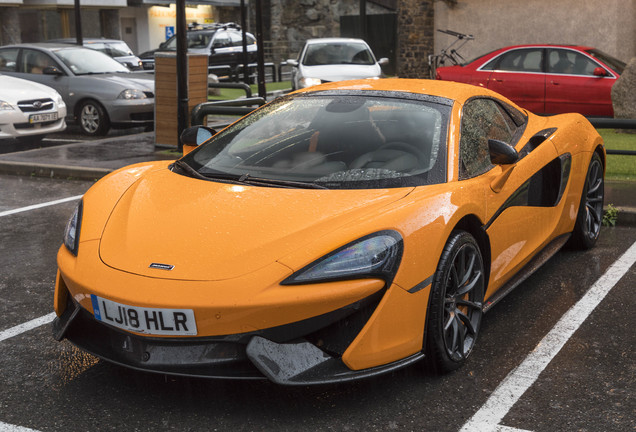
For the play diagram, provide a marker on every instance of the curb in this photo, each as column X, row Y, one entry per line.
column 626, row 216
column 52, row 171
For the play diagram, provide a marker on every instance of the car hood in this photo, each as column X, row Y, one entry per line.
column 141, row 81
column 341, row 72
column 16, row 89
column 216, row 231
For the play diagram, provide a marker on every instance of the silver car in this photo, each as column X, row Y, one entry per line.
column 115, row 48
column 99, row 92
column 334, row 59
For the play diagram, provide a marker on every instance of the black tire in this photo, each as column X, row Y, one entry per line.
column 92, row 118
column 590, row 215
column 456, row 304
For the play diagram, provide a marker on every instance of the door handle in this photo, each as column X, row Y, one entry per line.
column 555, row 82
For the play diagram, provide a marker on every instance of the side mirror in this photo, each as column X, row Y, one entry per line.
column 502, row 153
column 292, row 62
column 600, row 72
column 193, row 137
column 383, row 61
column 162, row 45
column 51, row 70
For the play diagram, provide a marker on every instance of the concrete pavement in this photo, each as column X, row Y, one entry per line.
column 94, row 159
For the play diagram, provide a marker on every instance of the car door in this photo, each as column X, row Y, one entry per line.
column 571, row 85
column 518, row 74
column 221, row 53
column 520, row 211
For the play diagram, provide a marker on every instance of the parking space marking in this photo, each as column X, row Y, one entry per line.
column 523, row 376
column 5, row 427
column 25, row 327
column 39, row 206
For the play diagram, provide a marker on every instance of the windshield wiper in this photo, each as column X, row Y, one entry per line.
column 246, row 178
column 187, row 169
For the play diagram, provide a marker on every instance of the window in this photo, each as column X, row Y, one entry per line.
column 563, row 61
column 520, row 60
column 35, row 61
column 482, row 119
column 221, row 40
column 8, row 60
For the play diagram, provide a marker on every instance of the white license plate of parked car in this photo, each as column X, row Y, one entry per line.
column 176, row 322
column 39, row 118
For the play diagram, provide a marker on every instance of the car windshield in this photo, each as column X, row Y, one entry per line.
column 84, row 61
column 612, row 62
column 338, row 53
column 113, row 49
column 330, row 141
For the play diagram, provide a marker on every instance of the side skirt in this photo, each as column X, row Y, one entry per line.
column 533, row 265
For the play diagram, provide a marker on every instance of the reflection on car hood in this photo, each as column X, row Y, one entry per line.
column 141, row 81
column 16, row 89
column 169, row 219
column 341, row 72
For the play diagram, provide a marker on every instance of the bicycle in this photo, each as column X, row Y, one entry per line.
column 449, row 53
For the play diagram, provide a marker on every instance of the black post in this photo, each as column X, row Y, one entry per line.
column 78, row 24
column 262, row 92
column 246, row 60
column 363, row 19
column 182, row 71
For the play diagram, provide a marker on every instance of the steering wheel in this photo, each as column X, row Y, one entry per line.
column 396, row 155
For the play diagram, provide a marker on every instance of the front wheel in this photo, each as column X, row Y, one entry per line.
column 456, row 305
column 93, row 118
column 590, row 216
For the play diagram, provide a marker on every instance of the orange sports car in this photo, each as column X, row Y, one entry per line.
column 339, row 232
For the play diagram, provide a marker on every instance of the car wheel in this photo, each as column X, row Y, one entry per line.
column 455, row 309
column 93, row 119
column 590, row 216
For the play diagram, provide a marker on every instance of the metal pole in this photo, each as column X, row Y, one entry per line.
column 78, row 24
column 262, row 92
column 246, row 68
column 363, row 19
column 182, row 72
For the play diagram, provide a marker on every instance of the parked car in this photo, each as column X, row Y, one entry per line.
column 117, row 49
column 28, row 110
column 339, row 232
column 99, row 92
column 334, row 59
column 223, row 43
column 546, row 79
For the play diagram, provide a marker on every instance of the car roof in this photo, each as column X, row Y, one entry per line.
column 44, row 45
column 73, row 40
column 576, row 47
column 444, row 89
column 334, row 40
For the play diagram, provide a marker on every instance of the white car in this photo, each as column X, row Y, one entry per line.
column 334, row 59
column 28, row 110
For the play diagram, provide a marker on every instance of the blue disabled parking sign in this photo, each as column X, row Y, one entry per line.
column 169, row 32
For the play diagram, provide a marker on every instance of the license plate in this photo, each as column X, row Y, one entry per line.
column 175, row 322
column 39, row 118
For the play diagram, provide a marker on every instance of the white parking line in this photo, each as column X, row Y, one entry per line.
column 4, row 427
column 38, row 206
column 30, row 325
column 523, row 376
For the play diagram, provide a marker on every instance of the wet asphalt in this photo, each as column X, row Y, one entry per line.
column 48, row 385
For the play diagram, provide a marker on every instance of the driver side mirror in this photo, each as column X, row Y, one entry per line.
column 383, row 61
column 292, row 62
column 51, row 70
column 193, row 137
column 502, row 153
column 600, row 72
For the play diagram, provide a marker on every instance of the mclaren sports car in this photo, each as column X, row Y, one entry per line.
column 339, row 232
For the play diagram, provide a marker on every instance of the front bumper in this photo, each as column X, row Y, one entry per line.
column 286, row 354
column 132, row 112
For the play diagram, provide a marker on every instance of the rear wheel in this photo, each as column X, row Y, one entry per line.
column 454, row 317
column 590, row 216
column 93, row 118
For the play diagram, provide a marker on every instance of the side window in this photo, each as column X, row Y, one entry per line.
column 520, row 60
column 482, row 119
column 9, row 60
column 36, row 61
column 561, row 61
column 237, row 39
column 221, row 40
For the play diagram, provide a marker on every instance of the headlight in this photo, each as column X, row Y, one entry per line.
column 59, row 101
column 132, row 94
column 376, row 255
column 72, row 231
column 5, row 105
column 308, row 82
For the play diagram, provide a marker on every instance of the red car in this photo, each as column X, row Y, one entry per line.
column 549, row 79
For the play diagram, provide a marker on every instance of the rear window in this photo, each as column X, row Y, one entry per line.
column 617, row 65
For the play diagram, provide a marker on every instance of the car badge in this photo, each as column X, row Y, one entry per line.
column 37, row 104
column 161, row 266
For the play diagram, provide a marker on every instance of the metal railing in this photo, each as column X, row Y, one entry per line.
column 235, row 107
column 614, row 123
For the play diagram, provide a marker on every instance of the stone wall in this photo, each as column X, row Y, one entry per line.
column 415, row 37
